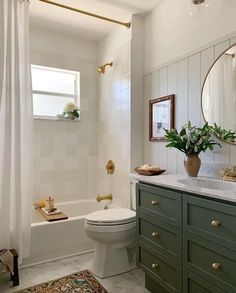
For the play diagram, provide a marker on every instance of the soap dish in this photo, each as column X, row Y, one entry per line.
column 149, row 171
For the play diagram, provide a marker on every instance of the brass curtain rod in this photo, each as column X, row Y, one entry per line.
column 126, row 24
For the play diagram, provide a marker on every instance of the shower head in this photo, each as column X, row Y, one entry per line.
column 102, row 68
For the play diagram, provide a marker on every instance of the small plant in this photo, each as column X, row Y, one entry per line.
column 223, row 134
column 191, row 140
column 70, row 110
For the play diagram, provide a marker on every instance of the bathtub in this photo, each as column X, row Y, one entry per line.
column 54, row 240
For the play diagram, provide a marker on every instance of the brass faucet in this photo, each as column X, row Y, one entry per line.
column 99, row 198
column 229, row 174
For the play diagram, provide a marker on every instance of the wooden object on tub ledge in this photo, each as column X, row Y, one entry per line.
column 148, row 170
column 53, row 218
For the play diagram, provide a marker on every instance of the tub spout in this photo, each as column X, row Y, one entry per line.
column 99, row 198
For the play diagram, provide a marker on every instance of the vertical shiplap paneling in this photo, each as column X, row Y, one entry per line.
column 194, row 103
column 191, row 72
column 181, row 102
column 163, row 87
column 182, row 114
column 147, row 95
column 172, row 84
column 222, row 156
column 154, row 95
column 207, row 60
column 155, row 85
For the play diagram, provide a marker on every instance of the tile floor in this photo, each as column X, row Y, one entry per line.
column 131, row 282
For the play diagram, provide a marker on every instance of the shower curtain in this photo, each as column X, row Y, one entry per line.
column 220, row 89
column 15, row 127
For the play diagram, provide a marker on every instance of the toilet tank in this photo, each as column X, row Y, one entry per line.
column 133, row 193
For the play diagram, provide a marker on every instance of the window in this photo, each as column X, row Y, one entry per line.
column 52, row 89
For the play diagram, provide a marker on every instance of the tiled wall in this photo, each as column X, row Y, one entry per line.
column 185, row 78
column 66, row 153
column 114, row 124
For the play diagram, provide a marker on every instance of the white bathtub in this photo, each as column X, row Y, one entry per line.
column 62, row 238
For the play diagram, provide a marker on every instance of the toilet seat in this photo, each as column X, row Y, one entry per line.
column 111, row 217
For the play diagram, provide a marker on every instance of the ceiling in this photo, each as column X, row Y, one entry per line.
column 66, row 21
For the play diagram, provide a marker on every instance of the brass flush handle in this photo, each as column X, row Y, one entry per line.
column 155, row 266
column 154, row 202
column 215, row 223
column 110, row 166
column 216, row 266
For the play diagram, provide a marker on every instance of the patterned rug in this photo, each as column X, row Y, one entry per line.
column 81, row 282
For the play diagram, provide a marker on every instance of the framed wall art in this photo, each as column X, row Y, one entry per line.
column 161, row 115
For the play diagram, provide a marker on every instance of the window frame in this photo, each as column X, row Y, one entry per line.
column 75, row 96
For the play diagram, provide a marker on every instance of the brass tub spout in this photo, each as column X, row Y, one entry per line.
column 99, row 198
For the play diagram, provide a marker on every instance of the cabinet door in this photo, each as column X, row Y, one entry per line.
column 164, row 238
column 164, row 271
column 195, row 284
column 212, row 220
column 164, row 204
column 210, row 261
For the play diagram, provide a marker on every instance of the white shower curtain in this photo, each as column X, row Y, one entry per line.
column 15, row 127
column 220, row 90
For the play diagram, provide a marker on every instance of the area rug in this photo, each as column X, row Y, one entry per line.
column 81, row 282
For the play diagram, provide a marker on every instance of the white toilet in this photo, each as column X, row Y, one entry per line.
column 113, row 231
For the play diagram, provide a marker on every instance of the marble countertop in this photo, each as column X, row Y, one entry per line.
column 172, row 181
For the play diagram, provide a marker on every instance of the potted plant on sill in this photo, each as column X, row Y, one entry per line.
column 71, row 111
column 192, row 140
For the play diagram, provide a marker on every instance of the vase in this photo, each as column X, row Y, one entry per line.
column 192, row 164
column 71, row 116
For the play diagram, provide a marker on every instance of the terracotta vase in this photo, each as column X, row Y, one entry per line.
column 192, row 164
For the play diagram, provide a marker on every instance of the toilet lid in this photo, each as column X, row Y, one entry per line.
column 111, row 217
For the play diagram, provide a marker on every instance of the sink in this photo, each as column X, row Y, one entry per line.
column 208, row 183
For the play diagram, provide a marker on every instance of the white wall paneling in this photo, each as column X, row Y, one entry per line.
column 184, row 78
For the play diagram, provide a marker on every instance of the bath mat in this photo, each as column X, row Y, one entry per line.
column 81, row 282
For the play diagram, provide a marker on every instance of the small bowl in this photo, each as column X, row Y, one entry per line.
column 149, row 172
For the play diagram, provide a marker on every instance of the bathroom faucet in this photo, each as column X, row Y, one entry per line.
column 99, row 198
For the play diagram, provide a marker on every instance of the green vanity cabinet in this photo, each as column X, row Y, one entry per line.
column 185, row 243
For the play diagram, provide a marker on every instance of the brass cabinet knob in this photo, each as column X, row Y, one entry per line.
column 216, row 266
column 155, row 266
column 155, row 234
column 154, row 202
column 215, row 223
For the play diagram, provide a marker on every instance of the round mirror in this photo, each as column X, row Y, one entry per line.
column 219, row 92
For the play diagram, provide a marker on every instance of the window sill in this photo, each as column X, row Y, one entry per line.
column 55, row 119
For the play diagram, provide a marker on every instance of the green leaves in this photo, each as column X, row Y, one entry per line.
column 194, row 140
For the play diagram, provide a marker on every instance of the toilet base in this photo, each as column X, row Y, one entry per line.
column 110, row 260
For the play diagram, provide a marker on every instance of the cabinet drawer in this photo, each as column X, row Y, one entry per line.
column 194, row 284
column 163, row 237
column 212, row 220
column 161, row 203
column 210, row 261
column 164, row 271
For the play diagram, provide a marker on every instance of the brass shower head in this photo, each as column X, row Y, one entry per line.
column 102, row 68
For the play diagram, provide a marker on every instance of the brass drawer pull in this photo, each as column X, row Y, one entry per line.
column 154, row 202
column 215, row 223
column 155, row 266
column 216, row 266
column 155, row 234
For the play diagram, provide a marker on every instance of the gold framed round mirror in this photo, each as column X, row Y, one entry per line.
column 218, row 98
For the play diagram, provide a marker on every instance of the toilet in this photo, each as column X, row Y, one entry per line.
column 113, row 231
